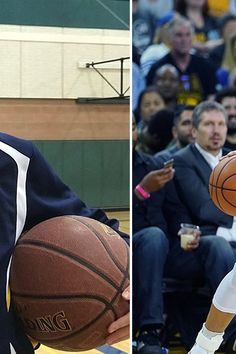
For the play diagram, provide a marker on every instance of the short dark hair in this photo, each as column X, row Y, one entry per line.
column 161, row 124
column 206, row 106
column 226, row 92
column 179, row 111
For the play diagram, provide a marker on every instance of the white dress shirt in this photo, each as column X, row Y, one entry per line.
column 228, row 234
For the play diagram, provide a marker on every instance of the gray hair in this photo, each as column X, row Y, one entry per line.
column 207, row 106
column 179, row 21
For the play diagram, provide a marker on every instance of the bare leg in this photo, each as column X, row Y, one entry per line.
column 222, row 311
column 217, row 321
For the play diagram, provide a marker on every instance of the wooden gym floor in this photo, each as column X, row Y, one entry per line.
column 119, row 348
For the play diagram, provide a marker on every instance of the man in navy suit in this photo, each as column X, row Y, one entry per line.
column 194, row 164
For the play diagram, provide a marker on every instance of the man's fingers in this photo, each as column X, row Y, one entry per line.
column 118, row 336
column 120, row 323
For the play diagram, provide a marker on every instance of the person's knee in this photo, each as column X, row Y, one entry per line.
column 233, row 279
column 224, row 298
column 154, row 237
column 216, row 243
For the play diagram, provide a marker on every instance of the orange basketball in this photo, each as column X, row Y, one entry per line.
column 67, row 278
column 222, row 185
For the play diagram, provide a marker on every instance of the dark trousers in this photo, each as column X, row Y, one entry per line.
column 150, row 249
column 211, row 261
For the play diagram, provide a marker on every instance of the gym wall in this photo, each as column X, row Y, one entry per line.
column 42, row 72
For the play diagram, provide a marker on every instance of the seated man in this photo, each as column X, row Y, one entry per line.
column 153, row 203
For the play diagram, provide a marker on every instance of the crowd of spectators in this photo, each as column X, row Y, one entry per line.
column 184, row 108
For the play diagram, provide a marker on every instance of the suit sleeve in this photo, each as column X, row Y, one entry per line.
column 48, row 196
column 195, row 195
column 175, row 211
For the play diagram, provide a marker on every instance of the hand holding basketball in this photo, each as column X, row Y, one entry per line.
column 120, row 328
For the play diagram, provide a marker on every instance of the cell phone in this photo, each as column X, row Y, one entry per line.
column 168, row 163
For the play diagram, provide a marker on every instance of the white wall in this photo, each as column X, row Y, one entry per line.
column 49, row 62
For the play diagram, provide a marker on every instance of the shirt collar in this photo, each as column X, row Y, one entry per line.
column 211, row 159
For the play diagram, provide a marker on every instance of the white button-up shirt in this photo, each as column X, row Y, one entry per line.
column 228, row 234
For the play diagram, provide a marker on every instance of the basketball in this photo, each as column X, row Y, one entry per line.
column 222, row 185
column 66, row 279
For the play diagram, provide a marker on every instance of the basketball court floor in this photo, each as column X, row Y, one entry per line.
column 119, row 348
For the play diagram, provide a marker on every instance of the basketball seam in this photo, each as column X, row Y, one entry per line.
column 226, row 189
column 126, row 276
column 62, row 297
column 97, row 318
column 119, row 266
column 217, row 179
column 69, row 255
column 76, row 332
column 211, row 185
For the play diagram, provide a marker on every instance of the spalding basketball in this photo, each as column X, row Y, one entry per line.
column 67, row 277
column 222, row 185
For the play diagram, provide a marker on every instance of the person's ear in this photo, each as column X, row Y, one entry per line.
column 194, row 132
column 174, row 133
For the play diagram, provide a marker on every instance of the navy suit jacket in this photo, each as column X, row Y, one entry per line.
column 192, row 174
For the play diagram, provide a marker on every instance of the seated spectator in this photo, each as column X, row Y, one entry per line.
column 197, row 76
column 149, row 102
column 157, row 134
column 229, row 62
column 155, row 201
column 182, row 133
column 205, row 25
column 227, row 27
column 167, row 82
column 227, row 97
